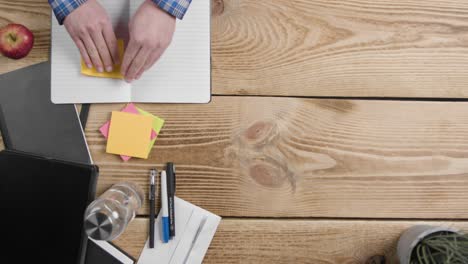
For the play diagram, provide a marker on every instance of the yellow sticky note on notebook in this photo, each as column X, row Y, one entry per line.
column 129, row 135
column 115, row 74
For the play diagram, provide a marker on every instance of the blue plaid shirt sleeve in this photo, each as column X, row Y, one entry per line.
column 62, row 8
column 177, row 8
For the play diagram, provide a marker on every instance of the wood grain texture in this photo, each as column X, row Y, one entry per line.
column 293, row 241
column 404, row 48
column 34, row 14
column 285, row 157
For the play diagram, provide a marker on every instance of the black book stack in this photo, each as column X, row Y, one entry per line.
column 47, row 178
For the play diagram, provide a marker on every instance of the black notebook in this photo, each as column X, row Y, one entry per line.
column 102, row 252
column 30, row 122
column 42, row 204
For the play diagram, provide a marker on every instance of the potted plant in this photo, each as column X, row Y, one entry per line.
column 423, row 244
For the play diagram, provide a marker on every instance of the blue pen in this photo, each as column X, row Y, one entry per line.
column 164, row 209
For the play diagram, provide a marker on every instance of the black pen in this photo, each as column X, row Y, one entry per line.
column 152, row 198
column 171, row 186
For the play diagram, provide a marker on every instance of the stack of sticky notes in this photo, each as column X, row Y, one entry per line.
column 131, row 132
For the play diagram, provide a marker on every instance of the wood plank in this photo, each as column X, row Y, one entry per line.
column 285, row 157
column 293, row 241
column 404, row 48
column 34, row 14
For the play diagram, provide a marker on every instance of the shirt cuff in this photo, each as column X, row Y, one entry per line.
column 62, row 8
column 176, row 8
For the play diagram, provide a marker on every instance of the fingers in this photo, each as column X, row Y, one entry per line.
column 103, row 50
column 137, row 64
column 130, row 53
column 111, row 41
column 84, row 53
column 150, row 62
column 93, row 53
column 138, row 75
column 154, row 58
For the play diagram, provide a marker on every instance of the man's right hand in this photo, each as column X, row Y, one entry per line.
column 91, row 29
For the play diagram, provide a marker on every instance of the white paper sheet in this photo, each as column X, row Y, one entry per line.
column 188, row 219
column 182, row 75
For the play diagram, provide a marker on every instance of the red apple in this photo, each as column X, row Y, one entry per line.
column 16, row 41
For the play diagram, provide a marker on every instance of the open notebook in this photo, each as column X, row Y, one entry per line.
column 182, row 75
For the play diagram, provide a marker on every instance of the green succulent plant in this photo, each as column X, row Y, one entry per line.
column 441, row 248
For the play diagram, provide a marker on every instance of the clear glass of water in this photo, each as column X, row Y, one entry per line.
column 108, row 216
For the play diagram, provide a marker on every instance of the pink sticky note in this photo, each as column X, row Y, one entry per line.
column 130, row 108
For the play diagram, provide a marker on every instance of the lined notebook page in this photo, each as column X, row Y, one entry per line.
column 67, row 82
column 183, row 74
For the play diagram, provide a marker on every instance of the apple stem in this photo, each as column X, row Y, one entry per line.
column 13, row 37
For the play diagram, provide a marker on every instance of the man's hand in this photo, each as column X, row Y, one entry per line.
column 90, row 28
column 151, row 31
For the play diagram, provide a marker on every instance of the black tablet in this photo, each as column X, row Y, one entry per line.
column 42, row 205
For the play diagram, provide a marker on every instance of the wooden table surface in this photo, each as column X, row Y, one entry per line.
column 329, row 133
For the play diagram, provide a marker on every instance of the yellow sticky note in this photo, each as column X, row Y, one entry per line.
column 115, row 74
column 129, row 135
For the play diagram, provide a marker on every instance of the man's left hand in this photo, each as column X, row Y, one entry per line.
column 151, row 30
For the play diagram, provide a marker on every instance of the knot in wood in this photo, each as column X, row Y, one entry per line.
column 260, row 133
column 267, row 175
column 217, row 7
